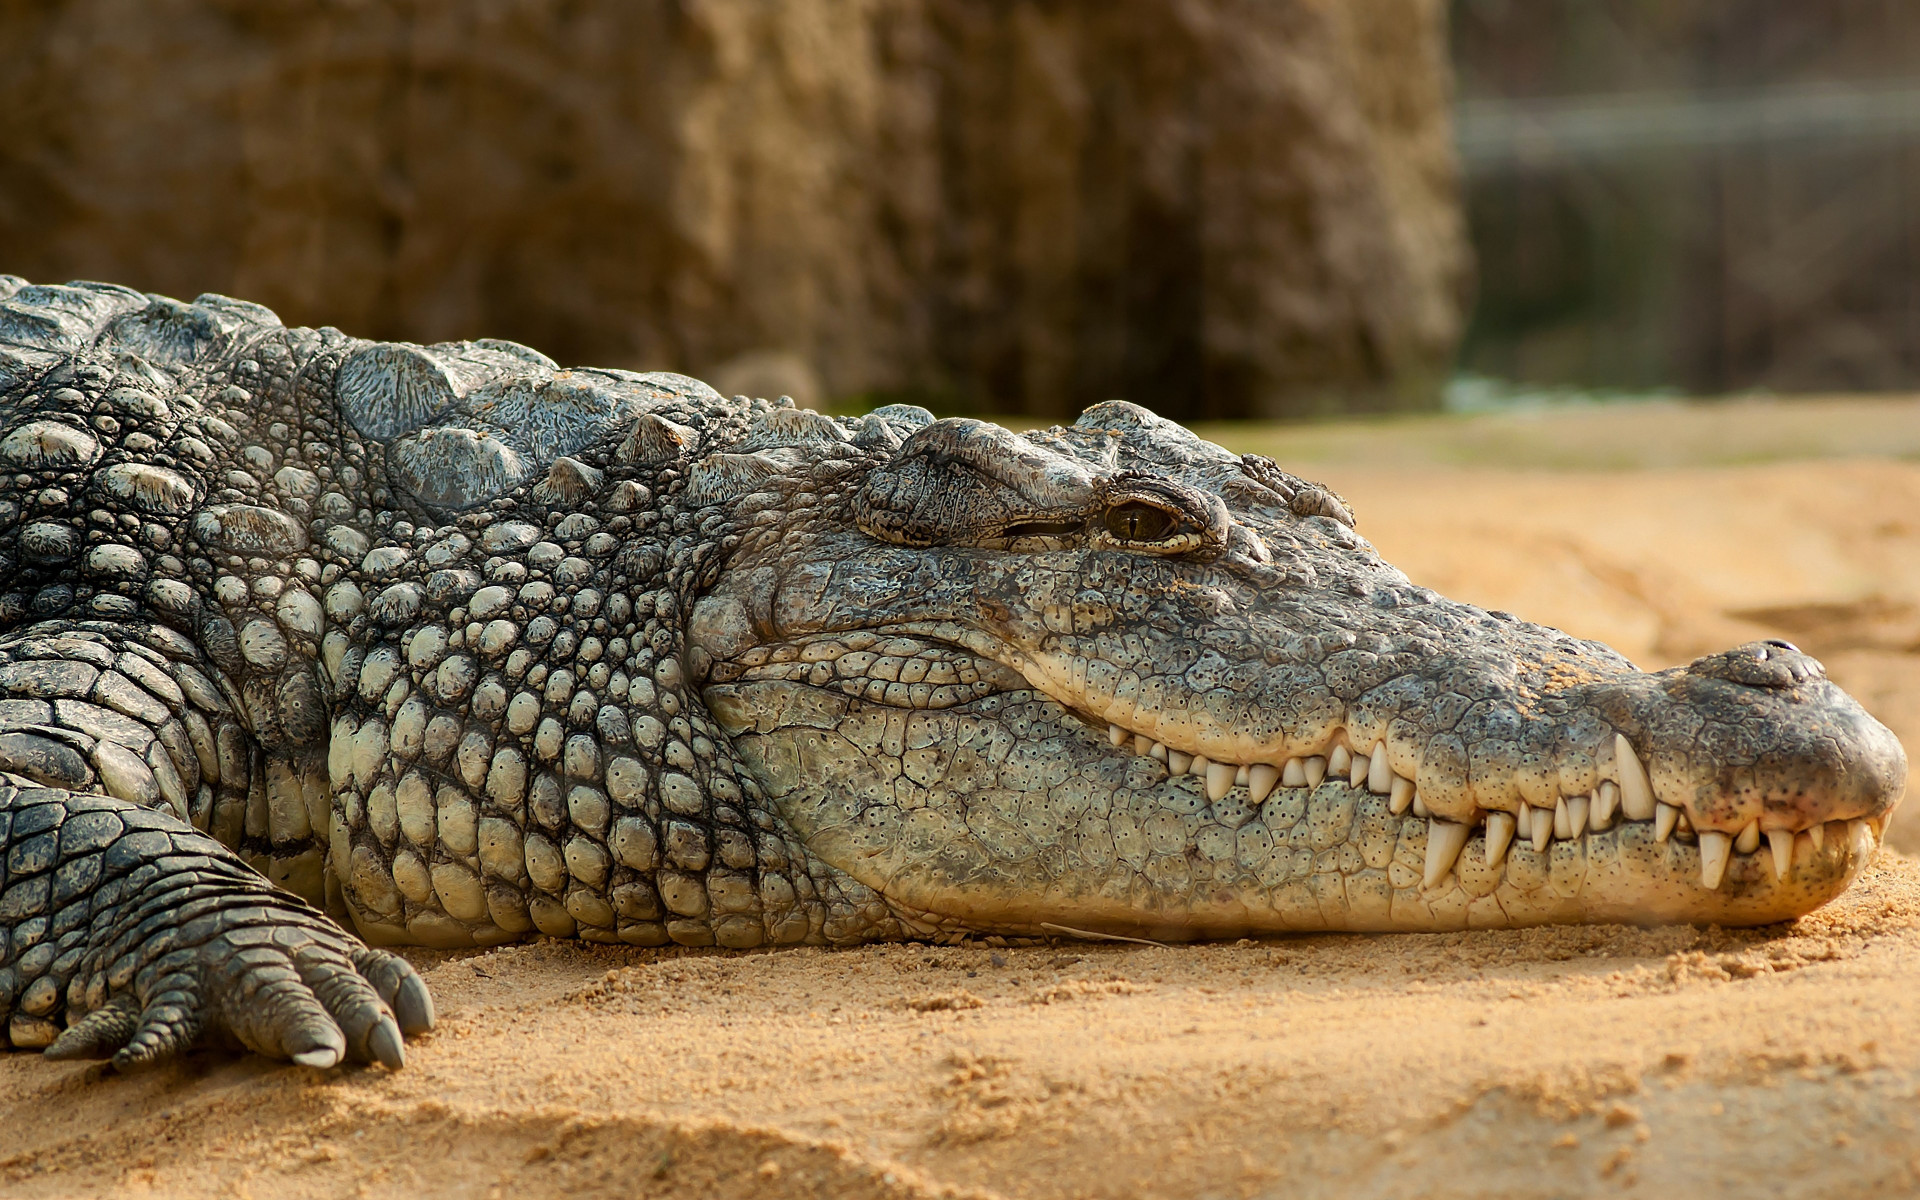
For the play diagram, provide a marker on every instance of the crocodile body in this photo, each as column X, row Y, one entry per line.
column 453, row 646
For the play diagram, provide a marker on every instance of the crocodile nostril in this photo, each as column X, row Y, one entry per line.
column 1782, row 644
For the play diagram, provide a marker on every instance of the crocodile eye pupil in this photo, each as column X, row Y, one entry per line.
column 1139, row 522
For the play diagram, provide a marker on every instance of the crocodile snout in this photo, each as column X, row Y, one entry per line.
column 1758, row 734
column 1769, row 664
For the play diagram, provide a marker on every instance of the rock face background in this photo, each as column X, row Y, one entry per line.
column 1212, row 207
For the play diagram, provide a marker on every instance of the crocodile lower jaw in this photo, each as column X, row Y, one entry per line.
column 1628, row 800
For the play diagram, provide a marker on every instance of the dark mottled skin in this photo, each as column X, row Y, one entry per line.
column 457, row 647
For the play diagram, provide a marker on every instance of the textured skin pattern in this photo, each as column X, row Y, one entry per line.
column 460, row 646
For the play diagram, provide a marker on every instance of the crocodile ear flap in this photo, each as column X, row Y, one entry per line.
column 722, row 478
column 800, row 427
column 961, row 481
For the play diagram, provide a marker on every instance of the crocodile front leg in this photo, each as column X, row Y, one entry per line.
column 146, row 938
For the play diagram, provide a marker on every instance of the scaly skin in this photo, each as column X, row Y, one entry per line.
column 459, row 647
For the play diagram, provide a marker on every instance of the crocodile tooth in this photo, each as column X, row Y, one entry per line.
column 1401, row 796
column 1294, row 774
column 1316, row 768
column 1636, row 790
column 1241, row 775
column 1142, row 744
column 1860, row 839
column 1379, row 772
column 1444, row 842
column 1748, row 839
column 1781, row 842
column 1542, row 831
column 1577, row 814
column 1562, row 820
column 1357, row 770
column 1199, row 766
column 1714, row 846
column 1664, row 821
column 1219, row 779
column 1606, row 798
column 1261, row 779
column 1499, row 836
column 1117, row 736
column 1817, row 834
column 1178, row 762
column 1340, row 761
column 1158, row 750
column 1419, row 806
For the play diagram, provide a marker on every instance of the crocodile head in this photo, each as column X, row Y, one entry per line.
column 1115, row 678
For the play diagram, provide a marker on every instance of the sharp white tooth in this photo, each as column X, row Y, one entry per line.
column 1117, row 736
column 1636, row 790
column 1159, row 751
column 1664, row 821
column 1542, row 831
column 1860, row 840
column 1198, row 766
column 1780, row 841
column 1358, row 769
column 1379, row 772
column 1444, row 841
column 1142, row 744
column 1261, row 779
column 1340, row 761
column 1748, row 839
column 1817, row 834
column 1294, row 774
column 1177, row 762
column 1316, row 768
column 1219, row 779
column 1606, row 798
column 1562, row 820
column 1499, row 836
column 1577, row 814
column 1419, row 806
column 1714, row 847
column 1401, row 796
column 1241, row 774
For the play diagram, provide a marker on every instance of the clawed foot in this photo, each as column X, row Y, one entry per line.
column 269, row 975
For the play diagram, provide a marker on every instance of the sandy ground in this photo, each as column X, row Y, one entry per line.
column 1783, row 1061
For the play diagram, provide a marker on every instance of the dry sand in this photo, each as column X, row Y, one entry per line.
column 1604, row 1060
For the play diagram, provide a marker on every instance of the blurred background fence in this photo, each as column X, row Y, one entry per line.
column 1707, row 195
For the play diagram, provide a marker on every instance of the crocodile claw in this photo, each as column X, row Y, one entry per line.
column 286, row 991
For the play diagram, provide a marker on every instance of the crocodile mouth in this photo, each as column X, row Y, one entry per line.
column 928, row 668
column 1626, row 800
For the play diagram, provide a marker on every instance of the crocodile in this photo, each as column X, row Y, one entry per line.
column 312, row 645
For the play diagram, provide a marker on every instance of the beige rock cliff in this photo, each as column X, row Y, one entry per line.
column 1213, row 207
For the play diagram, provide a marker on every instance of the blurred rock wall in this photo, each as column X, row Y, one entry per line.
column 1212, row 207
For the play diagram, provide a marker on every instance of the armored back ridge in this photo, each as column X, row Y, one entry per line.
column 458, row 646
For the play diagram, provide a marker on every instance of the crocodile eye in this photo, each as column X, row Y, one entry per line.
column 1138, row 522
